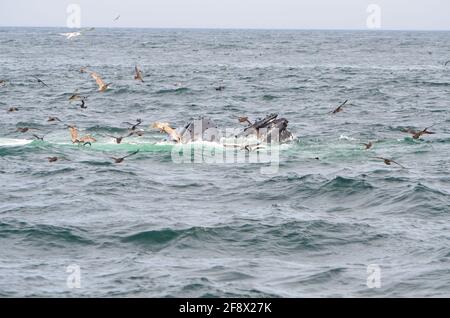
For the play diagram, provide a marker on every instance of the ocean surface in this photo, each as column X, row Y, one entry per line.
column 152, row 227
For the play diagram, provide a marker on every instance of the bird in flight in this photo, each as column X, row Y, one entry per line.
column 117, row 18
column 340, row 108
column 38, row 138
column 25, row 129
column 80, row 140
column 165, row 128
column 75, row 96
column 40, row 81
column 71, row 35
column 102, row 86
column 119, row 139
column 417, row 134
column 53, row 119
column 388, row 161
column 13, row 109
column 369, row 145
column 134, row 126
column 120, row 160
column 244, row 120
column 138, row 74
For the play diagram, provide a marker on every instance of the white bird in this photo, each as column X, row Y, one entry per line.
column 71, row 35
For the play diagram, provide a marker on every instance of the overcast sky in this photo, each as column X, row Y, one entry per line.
column 285, row 14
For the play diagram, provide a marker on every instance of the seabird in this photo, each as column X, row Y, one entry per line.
column 52, row 159
column 244, row 120
column 88, row 139
column 39, row 138
column 53, row 119
column 71, row 35
column 368, row 145
column 418, row 134
column 13, row 109
column 340, row 108
column 40, row 81
column 102, row 86
column 138, row 74
column 83, row 103
column 220, row 88
column 2, row 83
column 139, row 133
column 134, row 126
column 388, row 161
column 120, row 160
column 75, row 96
column 117, row 18
column 165, row 128
column 25, row 129
column 119, row 139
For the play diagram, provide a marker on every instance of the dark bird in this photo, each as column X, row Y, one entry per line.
column 74, row 96
column 340, row 108
column 134, row 126
column 25, row 129
column 53, row 119
column 418, row 134
column 244, row 120
column 388, row 161
column 40, row 81
column 39, row 138
column 83, row 103
column 368, row 145
column 120, row 160
column 117, row 18
column 13, row 109
column 138, row 74
column 220, row 88
column 119, row 139
column 52, row 159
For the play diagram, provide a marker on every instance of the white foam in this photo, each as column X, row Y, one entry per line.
column 6, row 142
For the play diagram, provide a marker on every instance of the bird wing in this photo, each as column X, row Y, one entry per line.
column 98, row 79
column 131, row 154
column 397, row 163
column 73, row 134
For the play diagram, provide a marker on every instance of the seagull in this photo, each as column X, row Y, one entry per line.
column 25, row 129
column 71, row 35
column 52, row 159
column 117, row 18
column 39, row 138
column 40, row 81
column 165, row 127
column 368, row 145
column 119, row 139
column 13, row 109
column 134, row 126
column 138, row 74
column 418, row 134
column 244, row 120
column 80, row 140
column 101, row 84
column 53, row 119
column 389, row 161
column 120, row 160
column 340, row 108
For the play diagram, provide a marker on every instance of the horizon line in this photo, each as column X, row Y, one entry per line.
column 229, row 28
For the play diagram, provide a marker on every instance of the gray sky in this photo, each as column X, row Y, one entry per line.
column 286, row 14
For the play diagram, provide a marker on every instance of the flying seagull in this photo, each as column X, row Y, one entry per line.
column 138, row 74
column 102, row 86
column 134, row 126
column 120, row 160
column 418, row 134
column 40, row 81
column 119, row 139
column 244, row 120
column 53, row 119
column 389, row 161
column 340, row 108
column 71, row 35
column 80, row 140
column 165, row 128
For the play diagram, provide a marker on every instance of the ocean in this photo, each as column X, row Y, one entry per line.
column 346, row 225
